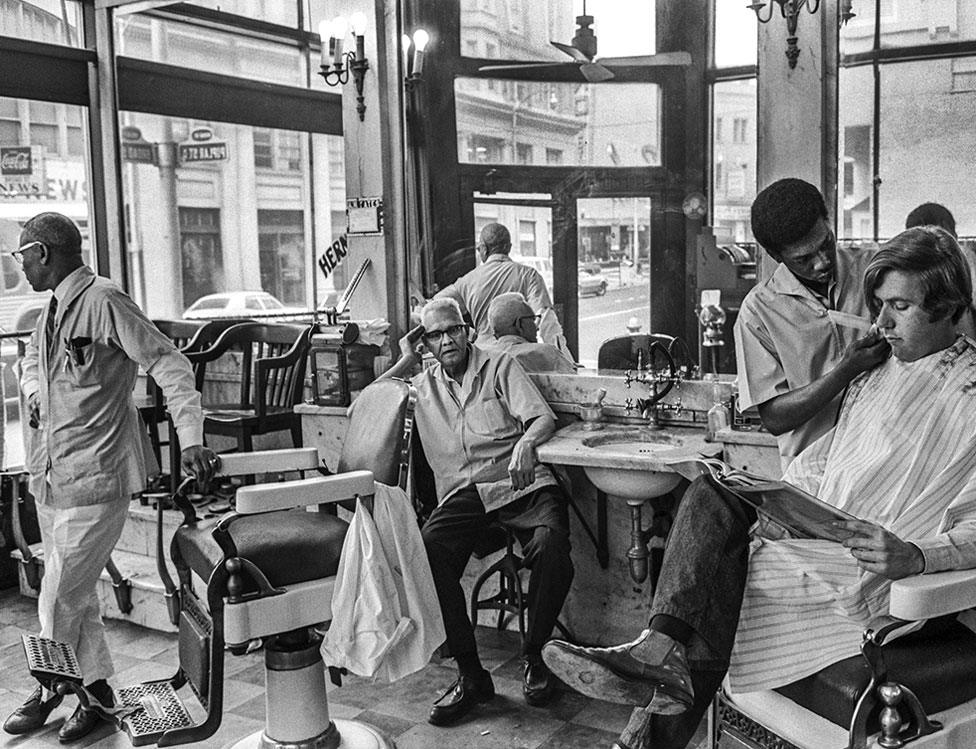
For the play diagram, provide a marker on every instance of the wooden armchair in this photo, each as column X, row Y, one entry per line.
column 272, row 375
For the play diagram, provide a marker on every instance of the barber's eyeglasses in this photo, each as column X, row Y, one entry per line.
column 436, row 336
column 537, row 318
column 18, row 254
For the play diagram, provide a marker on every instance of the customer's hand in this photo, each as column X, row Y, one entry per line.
column 880, row 551
column 411, row 346
column 200, row 462
column 867, row 352
column 521, row 468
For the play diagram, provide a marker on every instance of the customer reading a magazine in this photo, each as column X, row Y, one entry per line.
column 770, row 611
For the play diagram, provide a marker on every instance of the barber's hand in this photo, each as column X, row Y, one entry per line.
column 521, row 468
column 200, row 462
column 867, row 352
column 411, row 346
column 34, row 410
column 880, row 551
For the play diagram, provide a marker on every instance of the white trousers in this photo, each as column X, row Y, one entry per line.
column 77, row 544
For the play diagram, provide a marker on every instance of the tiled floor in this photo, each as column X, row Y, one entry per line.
column 399, row 709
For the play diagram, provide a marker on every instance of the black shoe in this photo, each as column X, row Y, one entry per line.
column 32, row 714
column 650, row 672
column 536, row 681
column 463, row 695
column 82, row 722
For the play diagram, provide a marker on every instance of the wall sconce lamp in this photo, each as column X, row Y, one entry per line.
column 336, row 65
column 413, row 69
column 790, row 10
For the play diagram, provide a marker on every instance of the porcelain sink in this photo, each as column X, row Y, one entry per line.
column 636, row 482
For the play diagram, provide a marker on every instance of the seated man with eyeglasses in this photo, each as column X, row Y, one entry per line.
column 479, row 418
column 516, row 326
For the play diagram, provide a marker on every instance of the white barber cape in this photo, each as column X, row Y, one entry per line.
column 903, row 455
column 386, row 620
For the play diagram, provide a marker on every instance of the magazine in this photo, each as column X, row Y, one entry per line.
column 798, row 512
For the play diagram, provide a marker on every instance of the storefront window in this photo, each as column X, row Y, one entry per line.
column 216, row 207
column 573, row 124
column 527, row 27
column 43, row 21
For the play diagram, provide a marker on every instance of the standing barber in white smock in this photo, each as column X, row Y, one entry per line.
column 86, row 459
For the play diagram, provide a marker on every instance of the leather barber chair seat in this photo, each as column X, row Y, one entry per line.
column 268, row 572
column 919, row 689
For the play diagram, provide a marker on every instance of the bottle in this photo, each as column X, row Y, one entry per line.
column 718, row 416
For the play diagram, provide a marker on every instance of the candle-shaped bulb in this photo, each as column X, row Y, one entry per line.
column 405, row 53
column 339, row 35
column 420, row 39
column 325, row 34
column 358, row 24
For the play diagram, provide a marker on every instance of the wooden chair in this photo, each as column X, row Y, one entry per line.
column 272, row 375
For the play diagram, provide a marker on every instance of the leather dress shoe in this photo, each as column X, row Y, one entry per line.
column 32, row 714
column 459, row 700
column 536, row 681
column 650, row 672
column 82, row 722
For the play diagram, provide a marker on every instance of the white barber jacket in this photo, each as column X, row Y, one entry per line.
column 89, row 446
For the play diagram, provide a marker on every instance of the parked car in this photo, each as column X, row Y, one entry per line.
column 253, row 304
column 591, row 280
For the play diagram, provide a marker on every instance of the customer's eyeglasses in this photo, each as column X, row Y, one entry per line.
column 436, row 336
column 537, row 318
column 18, row 254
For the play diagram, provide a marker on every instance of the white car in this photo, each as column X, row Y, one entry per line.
column 591, row 280
column 252, row 304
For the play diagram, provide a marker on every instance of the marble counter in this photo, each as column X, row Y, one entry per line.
column 670, row 449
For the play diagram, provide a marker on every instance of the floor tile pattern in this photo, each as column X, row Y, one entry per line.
column 400, row 709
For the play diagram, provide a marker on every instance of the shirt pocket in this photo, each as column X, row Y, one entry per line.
column 81, row 365
column 490, row 417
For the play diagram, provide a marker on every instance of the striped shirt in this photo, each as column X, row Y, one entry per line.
column 903, row 455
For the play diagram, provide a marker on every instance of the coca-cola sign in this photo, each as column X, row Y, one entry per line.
column 16, row 160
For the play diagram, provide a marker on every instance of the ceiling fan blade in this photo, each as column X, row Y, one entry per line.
column 571, row 51
column 662, row 59
column 568, row 66
column 595, row 73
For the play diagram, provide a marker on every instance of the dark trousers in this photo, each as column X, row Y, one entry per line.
column 540, row 522
column 702, row 581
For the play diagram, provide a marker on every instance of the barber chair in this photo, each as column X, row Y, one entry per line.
column 268, row 570
column 919, row 689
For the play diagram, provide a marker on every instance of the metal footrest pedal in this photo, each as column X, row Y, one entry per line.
column 160, row 710
column 50, row 661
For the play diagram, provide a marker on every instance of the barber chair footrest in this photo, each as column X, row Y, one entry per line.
column 48, row 660
column 162, row 710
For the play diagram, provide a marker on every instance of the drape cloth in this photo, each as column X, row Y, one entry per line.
column 903, row 455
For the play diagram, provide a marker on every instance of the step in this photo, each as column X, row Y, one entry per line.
column 139, row 534
column 148, row 594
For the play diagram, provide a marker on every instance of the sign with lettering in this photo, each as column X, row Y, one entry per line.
column 333, row 256
column 16, row 160
column 139, row 152
column 131, row 132
column 201, row 133
column 214, row 150
column 364, row 216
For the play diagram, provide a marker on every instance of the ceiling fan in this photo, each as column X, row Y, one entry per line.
column 582, row 50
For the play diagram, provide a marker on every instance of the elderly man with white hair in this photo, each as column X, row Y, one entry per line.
column 516, row 327
column 480, row 418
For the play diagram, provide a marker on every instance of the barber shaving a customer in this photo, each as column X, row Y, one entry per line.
column 769, row 609
column 480, row 418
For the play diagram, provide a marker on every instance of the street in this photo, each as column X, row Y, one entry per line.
column 603, row 317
